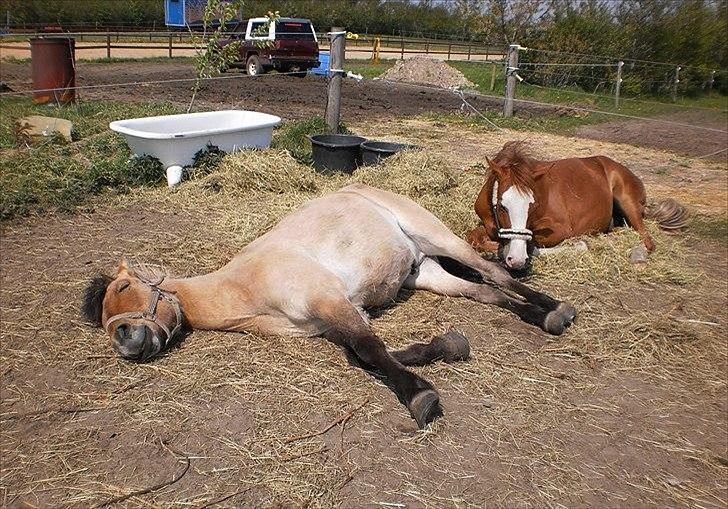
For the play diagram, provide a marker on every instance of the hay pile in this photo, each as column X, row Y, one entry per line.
column 427, row 71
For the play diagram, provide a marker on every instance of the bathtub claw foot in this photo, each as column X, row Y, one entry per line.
column 174, row 176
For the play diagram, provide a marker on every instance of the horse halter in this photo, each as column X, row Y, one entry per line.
column 150, row 314
column 507, row 233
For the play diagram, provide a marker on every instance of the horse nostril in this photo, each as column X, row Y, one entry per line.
column 122, row 332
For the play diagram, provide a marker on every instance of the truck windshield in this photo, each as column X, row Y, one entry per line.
column 294, row 30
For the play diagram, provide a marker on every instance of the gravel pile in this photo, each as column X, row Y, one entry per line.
column 427, row 71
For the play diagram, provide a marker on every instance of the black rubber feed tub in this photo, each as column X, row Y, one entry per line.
column 336, row 152
column 374, row 151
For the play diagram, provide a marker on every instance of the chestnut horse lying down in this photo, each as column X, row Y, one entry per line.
column 314, row 274
column 526, row 202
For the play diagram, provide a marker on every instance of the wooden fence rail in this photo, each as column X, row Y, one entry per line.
column 176, row 41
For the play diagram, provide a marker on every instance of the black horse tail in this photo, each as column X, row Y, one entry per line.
column 671, row 215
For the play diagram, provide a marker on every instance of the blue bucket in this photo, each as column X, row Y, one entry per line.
column 323, row 68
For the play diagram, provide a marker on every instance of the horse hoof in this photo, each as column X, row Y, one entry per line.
column 554, row 323
column 425, row 407
column 567, row 311
column 455, row 347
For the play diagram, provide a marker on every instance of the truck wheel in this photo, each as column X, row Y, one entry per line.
column 253, row 66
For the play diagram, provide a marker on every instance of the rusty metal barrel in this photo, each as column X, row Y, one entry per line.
column 53, row 69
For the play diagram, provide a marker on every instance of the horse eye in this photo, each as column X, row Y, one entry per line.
column 123, row 286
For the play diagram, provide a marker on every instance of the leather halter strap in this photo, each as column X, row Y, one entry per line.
column 506, row 233
column 150, row 314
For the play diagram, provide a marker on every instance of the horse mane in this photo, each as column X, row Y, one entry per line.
column 93, row 298
column 517, row 158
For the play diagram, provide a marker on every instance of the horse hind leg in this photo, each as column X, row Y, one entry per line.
column 436, row 240
column 433, row 238
column 629, row 200
column 450, row 347
column 348, row 329
column 432, row 277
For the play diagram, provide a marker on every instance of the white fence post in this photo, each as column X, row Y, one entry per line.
column 674, row 85
column 511, row 70
column 336, row 66
column 618, row 84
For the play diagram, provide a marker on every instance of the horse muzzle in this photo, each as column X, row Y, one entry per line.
column 518, row 266
column 136, row 342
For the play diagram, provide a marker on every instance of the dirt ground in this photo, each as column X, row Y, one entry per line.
column 286, row 96
column 667, row 137
column 628, row 409
column 303, row 97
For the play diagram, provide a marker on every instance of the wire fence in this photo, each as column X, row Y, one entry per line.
column 592, row 76
column 637, row 78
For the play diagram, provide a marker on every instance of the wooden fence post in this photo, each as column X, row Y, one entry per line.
column 470, row 47
column 511, row 69
column 618, row 84
column 402, row 43
column 674, row 85
column 449, row 49
column 336, row 70
column 108, row 45
column 170, row 45
column 492, row 77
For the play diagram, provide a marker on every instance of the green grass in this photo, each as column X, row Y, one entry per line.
column 710, row 227
column 481, row 75
column 541, row 123
column 294, row 137
column 51, row 173
column 366, row 68
column 15, row 60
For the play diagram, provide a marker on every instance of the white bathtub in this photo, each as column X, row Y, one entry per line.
column 175, row 139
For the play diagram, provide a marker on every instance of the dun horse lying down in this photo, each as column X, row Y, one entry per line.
column 314, row 274
column 526, row 202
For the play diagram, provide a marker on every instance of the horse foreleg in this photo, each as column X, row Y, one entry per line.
column 349, row 329
column 479, row 239
column 432, row 277
column 578, row 247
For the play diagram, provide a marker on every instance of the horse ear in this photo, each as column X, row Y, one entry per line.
column 124, row 266
column 496, row 168
column 93, row 299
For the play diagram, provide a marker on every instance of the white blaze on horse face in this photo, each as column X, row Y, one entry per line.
column 516, row 202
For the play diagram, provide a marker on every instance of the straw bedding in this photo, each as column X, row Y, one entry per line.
column 626, row 409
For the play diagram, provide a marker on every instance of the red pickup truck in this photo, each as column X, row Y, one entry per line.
column 289, row 44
